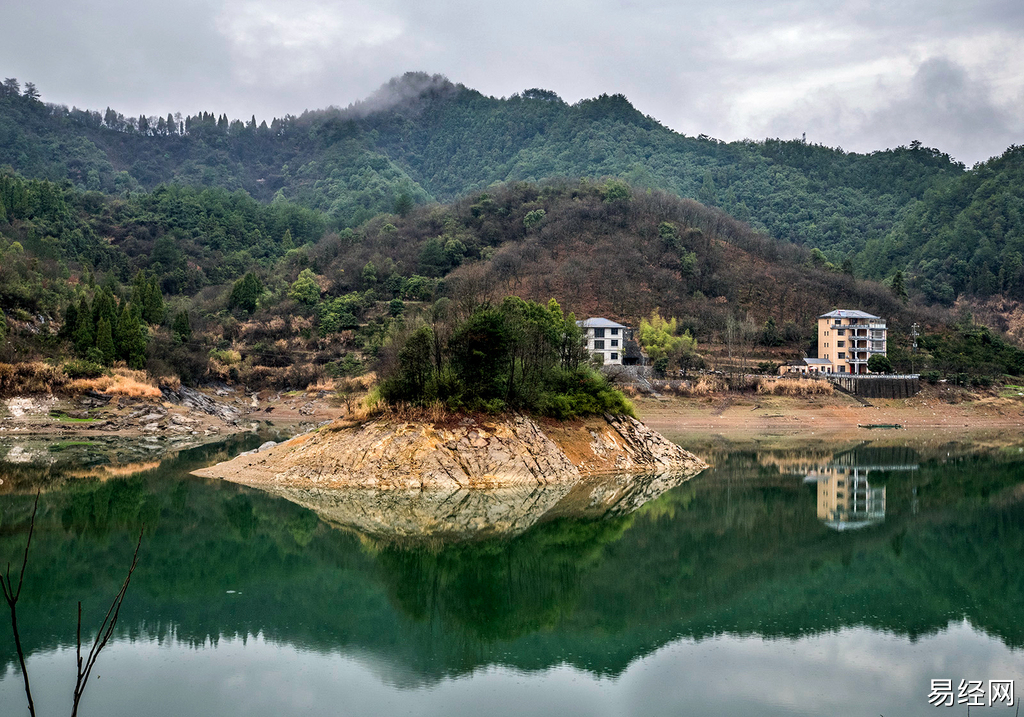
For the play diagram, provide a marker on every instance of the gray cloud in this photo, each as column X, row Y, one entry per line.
column 864, row 75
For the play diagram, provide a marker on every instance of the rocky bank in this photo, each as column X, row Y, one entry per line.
column 462, row 453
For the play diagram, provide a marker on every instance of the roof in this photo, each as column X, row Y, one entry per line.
column 817, row 362
column 848, row 314
column 600, row 323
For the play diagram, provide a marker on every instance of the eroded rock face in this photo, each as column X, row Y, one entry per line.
column 469, row 454
column 395, row 455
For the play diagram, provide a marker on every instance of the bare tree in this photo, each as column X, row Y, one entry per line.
column 103, row 634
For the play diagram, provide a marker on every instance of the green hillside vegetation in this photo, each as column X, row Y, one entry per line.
column 961, row 237
column 422, row 138
column 269, row 295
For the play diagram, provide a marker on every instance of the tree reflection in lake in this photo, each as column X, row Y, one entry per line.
column 528, row 580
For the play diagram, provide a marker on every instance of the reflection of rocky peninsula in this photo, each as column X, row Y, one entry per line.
column 455, row 514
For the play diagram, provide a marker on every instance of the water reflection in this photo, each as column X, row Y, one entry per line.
column 846, row 498
column 596, row 580
column 443, row 516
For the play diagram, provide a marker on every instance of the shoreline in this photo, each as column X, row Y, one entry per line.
column 732, row 411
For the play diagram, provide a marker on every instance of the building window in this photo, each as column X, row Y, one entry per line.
column 842, row 369
column 842, row 354
column 615, row 342
column 841, row 332
column 614, row 332
column 599, row 344
column 598, row 333
column 840, row 344
column 615, row 356
column 838, row 322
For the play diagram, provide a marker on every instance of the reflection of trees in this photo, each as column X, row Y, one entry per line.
column 498, row 590
column 737, row 550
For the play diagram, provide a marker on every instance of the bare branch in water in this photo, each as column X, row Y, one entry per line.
column 11, row 595
column 103, row 635
column 106, row 629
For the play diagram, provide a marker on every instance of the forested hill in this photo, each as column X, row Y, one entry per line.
column 425, row 138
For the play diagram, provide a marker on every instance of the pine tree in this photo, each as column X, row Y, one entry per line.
column 105, row 341
column 246, row 292
column 67, row 330
column 898, row 290
column 134, row 336
column 84, row 335
column 153, row 311
column 181, row 328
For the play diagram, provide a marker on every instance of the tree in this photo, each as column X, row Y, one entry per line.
column 770, row 335
column 305, row 289
column 403, row 204
column 879, row 363
column 897, row 288
column 369, row 275
column 30, row 91
column 181, row 328
column 533, row 218
column 707, row 194
column 105, row 341
column 133, row 337
column 84, row 335
column 246, row 292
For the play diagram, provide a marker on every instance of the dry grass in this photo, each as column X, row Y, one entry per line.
column 794, row 387
column 436, row 413
column 122, row 382
column 324, row 385
column 704, row 386
column 356, row 383
column 35, row 377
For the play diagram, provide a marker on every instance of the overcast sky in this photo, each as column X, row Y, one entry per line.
column 861, row 74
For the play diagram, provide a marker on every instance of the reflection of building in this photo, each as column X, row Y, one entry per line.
column 846, row 499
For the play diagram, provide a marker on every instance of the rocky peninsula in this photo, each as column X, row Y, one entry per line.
column 462, row 452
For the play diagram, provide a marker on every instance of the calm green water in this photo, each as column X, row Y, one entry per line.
column 752, row 589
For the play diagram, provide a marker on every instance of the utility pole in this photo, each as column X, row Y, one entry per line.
column 913, row 336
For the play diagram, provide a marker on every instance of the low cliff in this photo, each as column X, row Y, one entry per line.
column 466, row 453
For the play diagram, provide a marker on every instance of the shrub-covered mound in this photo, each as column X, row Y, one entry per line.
column 518, row 356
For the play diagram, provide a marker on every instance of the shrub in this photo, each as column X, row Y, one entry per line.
column 80, row 368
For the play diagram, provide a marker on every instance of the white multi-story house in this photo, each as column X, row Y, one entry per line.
column 605, row 338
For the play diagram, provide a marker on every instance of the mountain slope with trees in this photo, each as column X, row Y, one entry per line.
column 421, row 138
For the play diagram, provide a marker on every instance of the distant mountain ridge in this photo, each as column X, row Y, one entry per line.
column 424, row 138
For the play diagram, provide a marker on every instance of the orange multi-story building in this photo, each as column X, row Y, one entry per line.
column 847, row 338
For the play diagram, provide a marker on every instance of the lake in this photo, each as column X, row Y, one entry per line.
column 796, row 577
